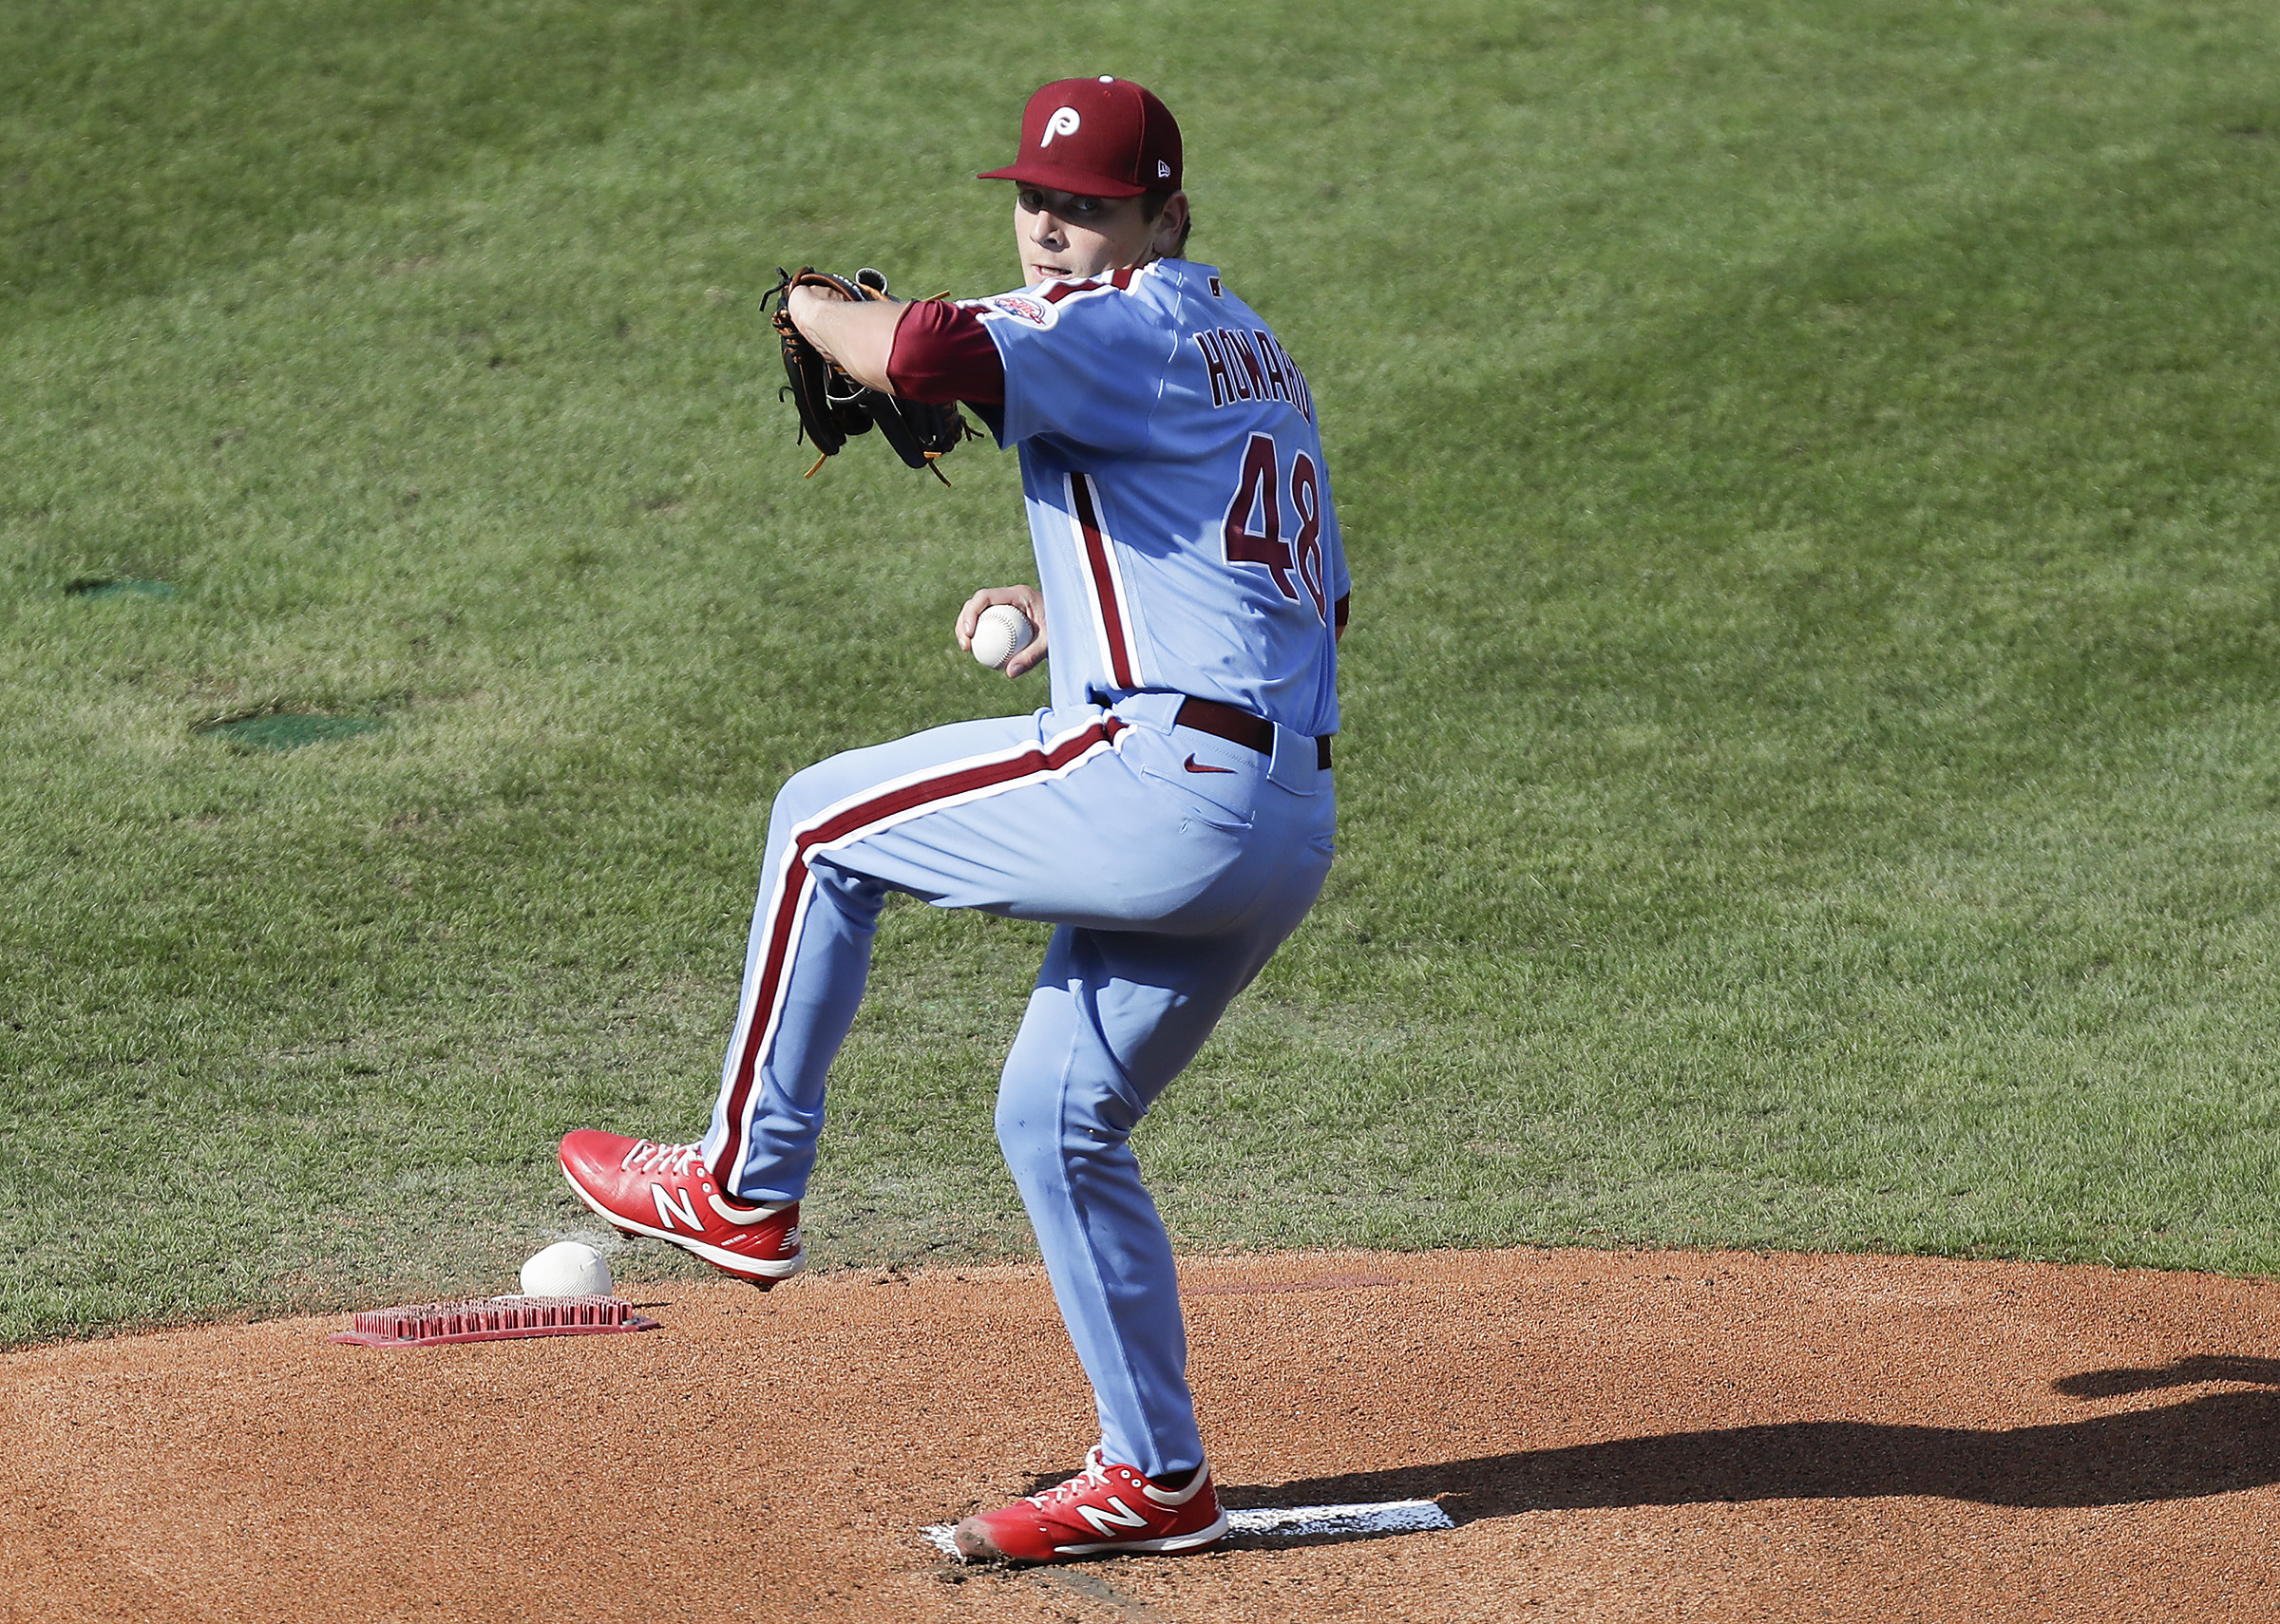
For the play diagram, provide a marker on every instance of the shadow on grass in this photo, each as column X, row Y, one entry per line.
column 2206, row 1445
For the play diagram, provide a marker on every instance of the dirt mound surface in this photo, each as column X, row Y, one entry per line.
column 1616, row 1436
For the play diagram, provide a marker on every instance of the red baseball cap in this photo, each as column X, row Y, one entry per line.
column 1099, row 137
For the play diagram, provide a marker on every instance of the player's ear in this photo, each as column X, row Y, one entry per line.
column 1170, row 228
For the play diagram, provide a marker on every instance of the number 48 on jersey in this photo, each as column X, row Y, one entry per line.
column 1253, row 529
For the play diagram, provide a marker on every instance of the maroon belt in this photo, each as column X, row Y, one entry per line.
column 1239, row 727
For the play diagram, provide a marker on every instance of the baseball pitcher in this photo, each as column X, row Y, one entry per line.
column 1169, row 812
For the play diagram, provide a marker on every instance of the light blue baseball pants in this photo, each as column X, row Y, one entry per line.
column 1174, row 863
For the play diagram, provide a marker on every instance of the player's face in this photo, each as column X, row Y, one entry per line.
column 1066, row 234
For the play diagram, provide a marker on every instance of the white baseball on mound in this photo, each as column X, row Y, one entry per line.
column 567, row 1269
column 1000, row 633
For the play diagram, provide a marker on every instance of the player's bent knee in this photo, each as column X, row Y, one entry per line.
column 804, row 793
column 1029, row 1128
column 1044, row 1122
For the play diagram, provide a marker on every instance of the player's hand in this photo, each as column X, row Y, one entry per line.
column 807, row 299
column 1029, row 600
column 855, row 335
column 810, row 296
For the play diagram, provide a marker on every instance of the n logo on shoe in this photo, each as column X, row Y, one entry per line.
column 666, row 1207
column 1123, row 1517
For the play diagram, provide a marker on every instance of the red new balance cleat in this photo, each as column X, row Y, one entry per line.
column 666, row 1192
column 1103, row 1509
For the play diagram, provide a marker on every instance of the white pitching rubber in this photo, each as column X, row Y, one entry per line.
column 1294, row 1523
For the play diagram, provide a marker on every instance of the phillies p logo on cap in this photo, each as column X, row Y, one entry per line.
column 1099, row 137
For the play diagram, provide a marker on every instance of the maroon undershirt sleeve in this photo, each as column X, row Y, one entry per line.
column 940, row 354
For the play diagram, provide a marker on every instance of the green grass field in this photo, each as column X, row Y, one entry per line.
column 1810, row 469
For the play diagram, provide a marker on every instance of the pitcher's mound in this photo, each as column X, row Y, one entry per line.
column 1614, row 1436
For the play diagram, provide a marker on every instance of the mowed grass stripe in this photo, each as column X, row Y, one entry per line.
column 1806, row 471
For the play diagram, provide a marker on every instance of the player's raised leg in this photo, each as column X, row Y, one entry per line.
column 976, row 815
column 732, row 1197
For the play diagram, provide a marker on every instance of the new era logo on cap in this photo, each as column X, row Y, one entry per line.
column 1100, row 138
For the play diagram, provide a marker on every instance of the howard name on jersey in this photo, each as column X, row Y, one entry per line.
column 1176, row 491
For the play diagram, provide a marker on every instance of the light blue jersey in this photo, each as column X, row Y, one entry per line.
column 1177, row 496
column 1186, row 545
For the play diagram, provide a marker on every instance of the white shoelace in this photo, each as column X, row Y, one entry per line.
column 1096, row 1472
column 647, row 1155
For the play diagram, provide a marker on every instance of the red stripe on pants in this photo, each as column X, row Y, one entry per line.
column 1035, row 761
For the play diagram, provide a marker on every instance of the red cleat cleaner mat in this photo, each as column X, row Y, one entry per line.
column 491, row 1319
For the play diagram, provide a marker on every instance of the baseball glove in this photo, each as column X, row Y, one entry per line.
column 834, row 407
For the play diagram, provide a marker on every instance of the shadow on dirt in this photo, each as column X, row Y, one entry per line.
column 2205, row 1446
column 2185, row 1372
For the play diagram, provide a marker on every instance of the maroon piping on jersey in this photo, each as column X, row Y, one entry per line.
column 941, row 354
column 1085, row 503
column 1121, row 281
column 798, row 878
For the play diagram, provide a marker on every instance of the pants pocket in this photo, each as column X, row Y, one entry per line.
column 1198, row 807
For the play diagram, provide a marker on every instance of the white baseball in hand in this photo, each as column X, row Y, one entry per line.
column 1001, row 633
column 567, row 1269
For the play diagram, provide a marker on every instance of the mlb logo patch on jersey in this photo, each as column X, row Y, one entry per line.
column 1020, row 309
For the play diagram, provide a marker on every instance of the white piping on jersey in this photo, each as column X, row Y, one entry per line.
column 1103, row 572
